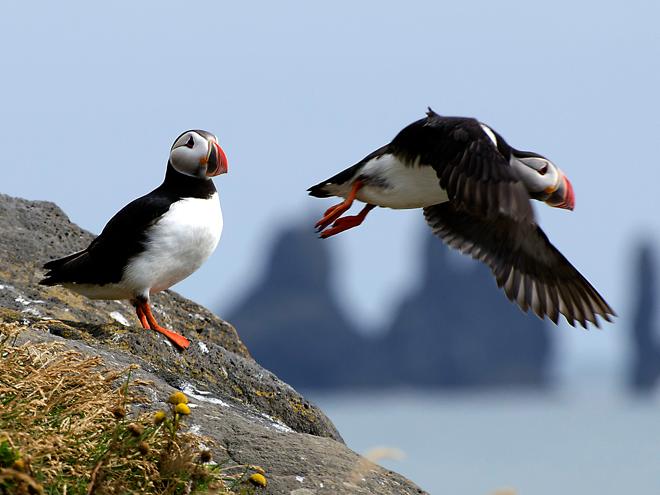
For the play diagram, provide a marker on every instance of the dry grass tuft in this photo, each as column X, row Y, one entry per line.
column 65, row 429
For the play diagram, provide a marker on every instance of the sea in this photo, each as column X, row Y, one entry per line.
column 579, row 441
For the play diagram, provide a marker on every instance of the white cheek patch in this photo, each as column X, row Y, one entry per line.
column 186, row 160
column 528, row 171
column 489, row 132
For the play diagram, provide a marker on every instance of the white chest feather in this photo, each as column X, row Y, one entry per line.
column 177, row 245
column 393, row 184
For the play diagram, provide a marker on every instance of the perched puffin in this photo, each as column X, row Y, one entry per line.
column 475, row 191
column 157, row 240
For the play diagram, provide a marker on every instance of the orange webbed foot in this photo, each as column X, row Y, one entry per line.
column 331, row 215
column 334, row 212
column 345, row 223
column 149, row 322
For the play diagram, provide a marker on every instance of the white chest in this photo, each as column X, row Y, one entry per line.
column 177, row 244
column 395, row 185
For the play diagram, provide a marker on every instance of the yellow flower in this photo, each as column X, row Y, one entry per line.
column 182, row 408
column 159, row 417
column 178, row 398
column 258, row 479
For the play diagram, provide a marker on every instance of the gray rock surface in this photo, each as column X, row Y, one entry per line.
column 253, row 417
column 295, row 463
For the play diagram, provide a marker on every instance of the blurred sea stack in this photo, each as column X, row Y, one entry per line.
column 454, row 330
column 645, row 337
column 293, row 321
column 458, row 330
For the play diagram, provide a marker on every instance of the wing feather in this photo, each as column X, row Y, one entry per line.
column 530, row 270
column 104, row 259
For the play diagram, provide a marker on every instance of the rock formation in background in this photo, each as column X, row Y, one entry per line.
column 456, row 330
column 645, row 336
column 251, row 416
column 292, row 322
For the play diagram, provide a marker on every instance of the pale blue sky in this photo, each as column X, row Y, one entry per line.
column 93, row 95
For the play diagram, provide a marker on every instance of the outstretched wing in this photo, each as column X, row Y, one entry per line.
column 526, row 265
column 469, row 165
column 123, row 237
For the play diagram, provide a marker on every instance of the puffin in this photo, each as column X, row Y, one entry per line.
column 475, row 191
column 156, row 240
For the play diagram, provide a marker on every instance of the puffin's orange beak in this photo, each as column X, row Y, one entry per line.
column 216, row 160
column 562, row 196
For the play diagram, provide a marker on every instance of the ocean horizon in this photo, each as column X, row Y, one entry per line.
column 589, row 440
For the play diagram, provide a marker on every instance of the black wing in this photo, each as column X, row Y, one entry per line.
column 473, row 171
column 529, row 268
column 123, row 237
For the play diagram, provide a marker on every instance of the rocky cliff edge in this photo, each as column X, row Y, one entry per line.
column 252, row 415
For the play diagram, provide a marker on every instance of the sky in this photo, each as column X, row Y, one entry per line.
column 93, row 94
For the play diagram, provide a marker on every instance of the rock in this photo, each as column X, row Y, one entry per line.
column 253, row 416
column 293, row 461
column 34, row 232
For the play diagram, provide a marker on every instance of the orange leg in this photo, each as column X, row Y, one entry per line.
column 146, row 317
column 346, row 223
column 142, row 317
column 331, row 209
column 334, row 212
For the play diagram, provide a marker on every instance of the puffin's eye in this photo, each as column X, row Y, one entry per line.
column 543, row 170
column 191, row 142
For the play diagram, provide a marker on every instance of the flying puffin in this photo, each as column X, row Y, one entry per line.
column 475, row 190
column 156, row 240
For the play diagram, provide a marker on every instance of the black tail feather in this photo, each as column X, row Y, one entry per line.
column 48, row 281
column 318, row 191
column 54, row 264
column 61, row 269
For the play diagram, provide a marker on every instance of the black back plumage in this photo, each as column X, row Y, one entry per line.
column 471, row 168
column 125, row 235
